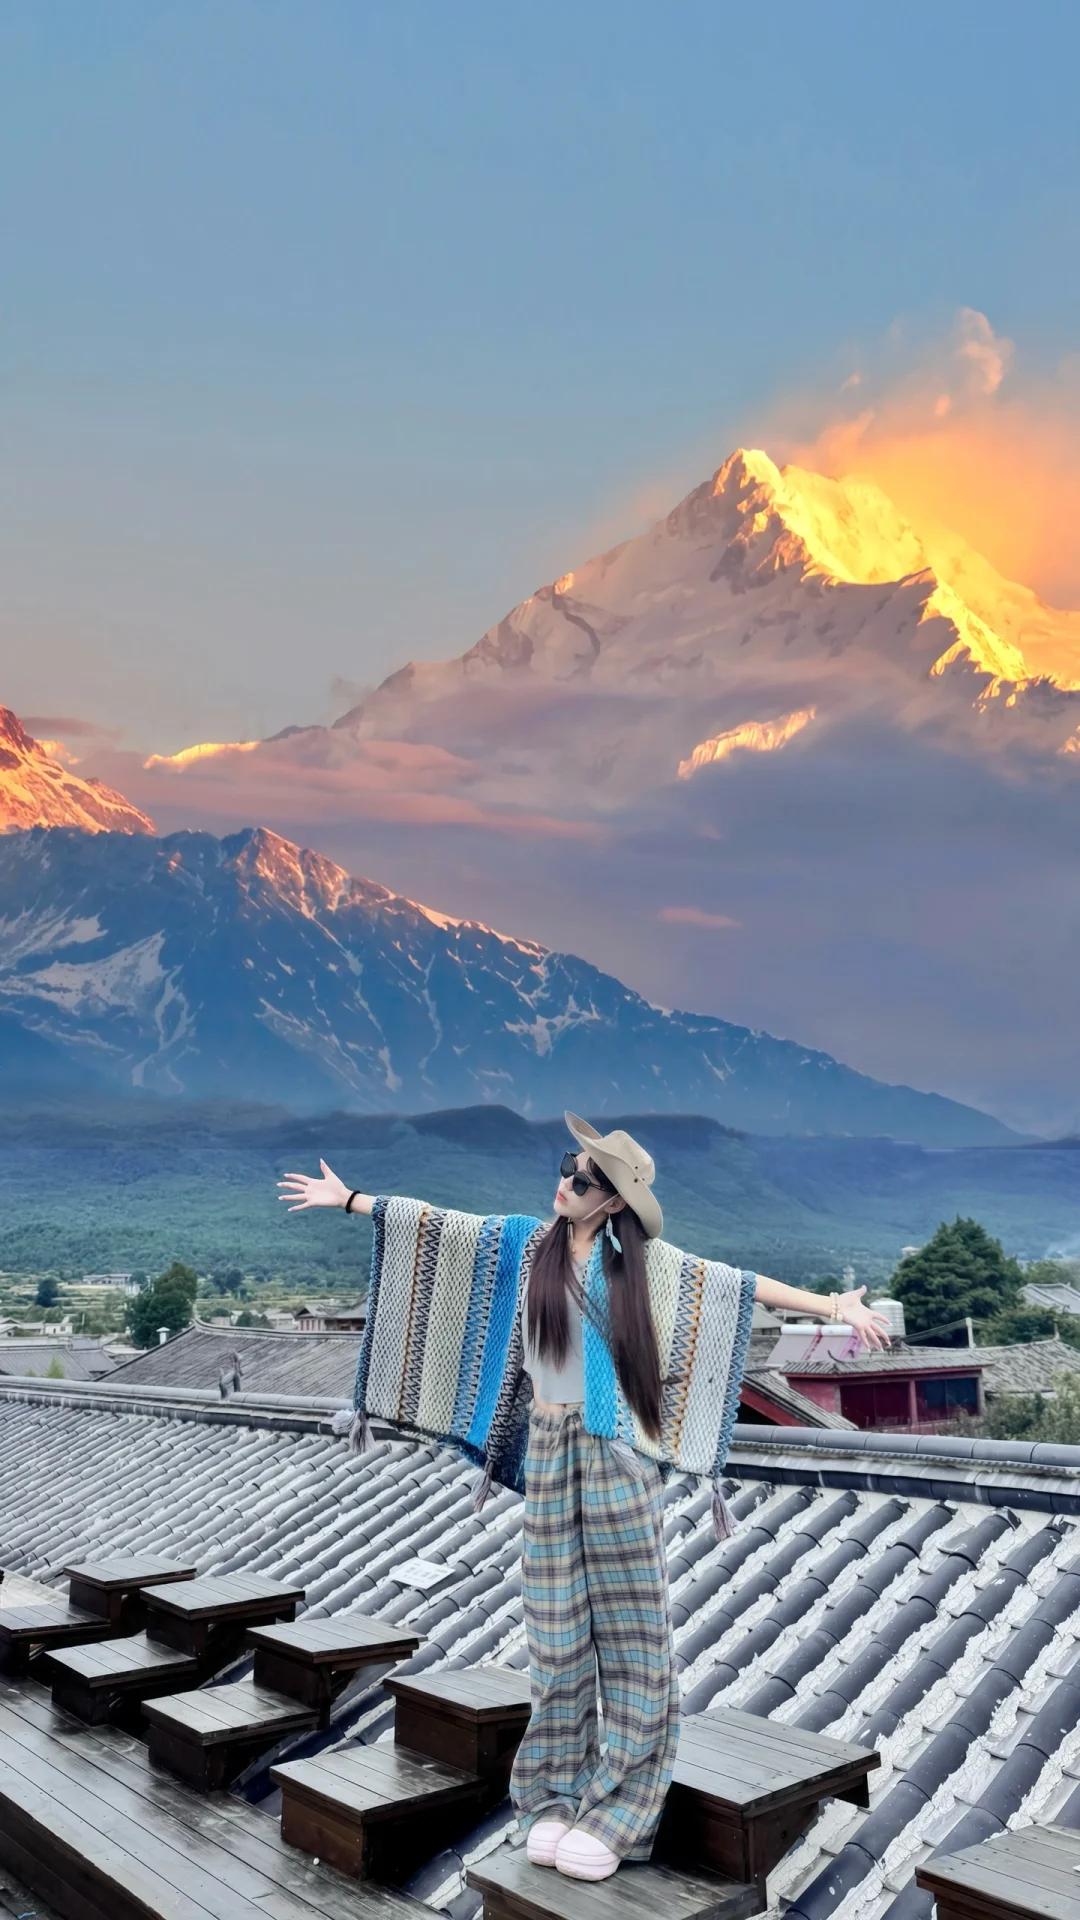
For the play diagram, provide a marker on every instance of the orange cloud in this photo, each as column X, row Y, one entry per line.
column 961, row 439
column 694, row 917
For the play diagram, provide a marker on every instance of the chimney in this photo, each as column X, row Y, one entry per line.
column 162, row 1335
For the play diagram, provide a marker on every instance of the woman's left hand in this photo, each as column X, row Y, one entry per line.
column 872, row 1328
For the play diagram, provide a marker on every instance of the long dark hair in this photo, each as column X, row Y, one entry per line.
column 629, row 1331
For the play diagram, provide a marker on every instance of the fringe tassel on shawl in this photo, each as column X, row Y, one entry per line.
column 723, row 1518
column 354, row 1422
column 483, row 1488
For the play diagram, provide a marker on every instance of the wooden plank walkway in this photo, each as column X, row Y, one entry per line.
column 89, row 1824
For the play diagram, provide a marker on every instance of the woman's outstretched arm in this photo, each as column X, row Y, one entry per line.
column 302, row 1190
column 872, row 1328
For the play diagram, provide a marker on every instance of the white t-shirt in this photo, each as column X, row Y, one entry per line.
column 561, row 1386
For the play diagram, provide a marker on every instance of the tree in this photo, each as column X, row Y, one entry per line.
column 230, row 1282
column 167, row 1302
column 1016, row 1325
column 1032, row 1416
column 48, row 1291
column 960, row 1271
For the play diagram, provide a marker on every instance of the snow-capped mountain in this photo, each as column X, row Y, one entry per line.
column 248, row 968
column 769, row 605
column 36, row 791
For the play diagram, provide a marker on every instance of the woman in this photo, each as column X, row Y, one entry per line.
column 615, row 1357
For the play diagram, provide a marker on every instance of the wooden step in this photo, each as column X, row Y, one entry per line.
column 472, row 1718
column 745, row 1788
column 315, row 1660
column 27, row 1632
column 375, row 1812
column 210, row 1617
column 210, row 1735
column 100, row 1834
column 1023, row 1875
column 94, row 1681
column 113, row 1588
column 515, row 1890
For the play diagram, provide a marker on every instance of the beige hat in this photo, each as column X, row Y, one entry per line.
column 627, row 1165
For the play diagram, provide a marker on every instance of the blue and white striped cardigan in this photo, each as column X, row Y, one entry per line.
column 442, row 1354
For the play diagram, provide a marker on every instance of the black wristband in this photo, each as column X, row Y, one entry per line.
column 353, row 1196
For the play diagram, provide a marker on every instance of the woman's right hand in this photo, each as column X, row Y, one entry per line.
column 302, row 1190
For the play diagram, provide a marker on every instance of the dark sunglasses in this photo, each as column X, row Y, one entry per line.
column 580, row 1182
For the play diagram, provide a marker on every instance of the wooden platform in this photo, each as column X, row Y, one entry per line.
column 113, row 1588
column 515, row 1890
column 210, row 1618
column 1032, row 1874
column 210, row 1735
column 472, row 1718
column 376, row 1811
column 94, row 1681
column 316, row 1660
column 99, row 1834
column 28, row 1631
column 745, row 1788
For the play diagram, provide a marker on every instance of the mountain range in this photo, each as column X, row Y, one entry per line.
column 782, row 756
column 246, row 967
column 136, row 1181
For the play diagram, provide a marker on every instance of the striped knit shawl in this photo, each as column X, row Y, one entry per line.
column 442, row 1354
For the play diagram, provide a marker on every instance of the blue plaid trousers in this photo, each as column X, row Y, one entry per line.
column 594, row 1588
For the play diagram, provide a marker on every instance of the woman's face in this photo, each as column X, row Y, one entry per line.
column 585, row 1208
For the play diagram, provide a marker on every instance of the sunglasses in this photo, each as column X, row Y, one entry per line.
column 579, row 1181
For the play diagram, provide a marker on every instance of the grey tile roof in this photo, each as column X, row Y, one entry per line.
column 81, row 1359
column 916, row 1593
column 294, row 1363
column 1027, row 1368
column 1063, row 1298
column 894, row 1359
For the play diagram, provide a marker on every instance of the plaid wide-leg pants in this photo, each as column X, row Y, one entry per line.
column 594, row 1586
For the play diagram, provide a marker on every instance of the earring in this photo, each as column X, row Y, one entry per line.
column 610, row 1231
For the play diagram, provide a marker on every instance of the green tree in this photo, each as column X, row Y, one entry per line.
column 167, row 1302
column 1033, row 1416
column 249, row 1319
column 1052, row 1273
column 54, row 1370
column 960, row 1271
column 231, row 1281
column 48, row 1291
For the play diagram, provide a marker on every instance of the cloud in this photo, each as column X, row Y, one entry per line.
column 318, row 776
column 38, row 724
column 694, row 917
column 959, row 435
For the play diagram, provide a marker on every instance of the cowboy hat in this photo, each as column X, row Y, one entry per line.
column 627, row 1165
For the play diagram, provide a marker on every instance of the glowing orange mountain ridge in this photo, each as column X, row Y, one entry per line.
column 36, row 791
column 770, row 605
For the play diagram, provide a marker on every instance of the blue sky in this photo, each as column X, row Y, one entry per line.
column 328, row 331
